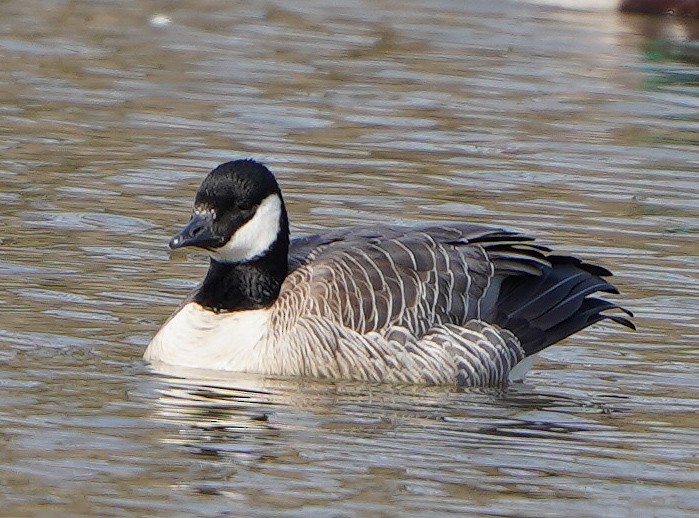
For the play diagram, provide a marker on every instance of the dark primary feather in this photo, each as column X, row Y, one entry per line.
column 545, row 309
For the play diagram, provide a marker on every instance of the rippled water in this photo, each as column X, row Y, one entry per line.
column 581, row 127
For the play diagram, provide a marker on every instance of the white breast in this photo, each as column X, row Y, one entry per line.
column 199, row 338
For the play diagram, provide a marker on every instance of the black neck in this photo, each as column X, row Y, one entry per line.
column 250, row 285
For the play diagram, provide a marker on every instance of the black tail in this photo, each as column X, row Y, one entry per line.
column 545, row 309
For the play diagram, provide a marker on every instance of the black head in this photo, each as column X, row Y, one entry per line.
column 238, row 213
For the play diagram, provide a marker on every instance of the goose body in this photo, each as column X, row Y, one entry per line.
column 444, row 304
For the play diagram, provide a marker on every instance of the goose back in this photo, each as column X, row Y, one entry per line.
column 371, row 280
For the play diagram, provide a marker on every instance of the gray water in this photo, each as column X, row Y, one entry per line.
column 580, row 127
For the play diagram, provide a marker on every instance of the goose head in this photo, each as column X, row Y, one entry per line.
column 238, row 214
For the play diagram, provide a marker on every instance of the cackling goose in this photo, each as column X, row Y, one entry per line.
column 440, row 304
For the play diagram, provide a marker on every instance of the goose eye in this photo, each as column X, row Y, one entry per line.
column 247, row 207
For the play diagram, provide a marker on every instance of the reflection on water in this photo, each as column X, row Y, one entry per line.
column 366, row 445
column 577, row 126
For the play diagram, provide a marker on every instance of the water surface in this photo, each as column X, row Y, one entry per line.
column 580, row 127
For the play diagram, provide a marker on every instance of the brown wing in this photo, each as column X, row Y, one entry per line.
column 374, row 279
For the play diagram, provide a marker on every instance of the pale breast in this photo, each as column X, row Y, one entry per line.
column 200, row 338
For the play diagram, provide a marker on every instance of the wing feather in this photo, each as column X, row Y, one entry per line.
column 439, row 304
column 373, row 279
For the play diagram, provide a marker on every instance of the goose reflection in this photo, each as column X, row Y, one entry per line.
column 253, row 416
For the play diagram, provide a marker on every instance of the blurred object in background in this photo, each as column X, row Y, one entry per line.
column 685, row 8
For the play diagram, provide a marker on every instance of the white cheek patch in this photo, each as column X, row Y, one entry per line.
column 256, row 236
